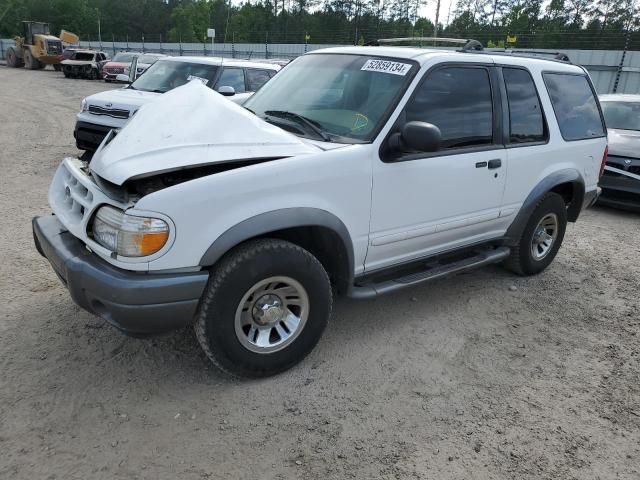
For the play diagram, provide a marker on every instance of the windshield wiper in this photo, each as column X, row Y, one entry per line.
column 313, row 126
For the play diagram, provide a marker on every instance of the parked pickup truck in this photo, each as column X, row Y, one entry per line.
column 99, row 113
column 356, row 171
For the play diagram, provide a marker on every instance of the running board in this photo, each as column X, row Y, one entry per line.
column 431, row 272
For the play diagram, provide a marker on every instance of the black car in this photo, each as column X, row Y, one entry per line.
column 621, row 180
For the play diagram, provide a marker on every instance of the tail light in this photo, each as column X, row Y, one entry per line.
column 604, row 160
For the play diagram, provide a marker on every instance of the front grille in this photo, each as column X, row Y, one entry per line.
column 77, row 200
column 114, row 70
column 111, row 112
column 54, row 47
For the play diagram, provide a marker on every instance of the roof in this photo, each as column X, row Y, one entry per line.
column 423, row 55
column 226, row 61
column 619, row 97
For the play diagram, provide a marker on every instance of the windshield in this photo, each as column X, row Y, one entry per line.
column 622, row 115
column 346, row 97
column 124, row 57
column 83, row 56
column 165, row 75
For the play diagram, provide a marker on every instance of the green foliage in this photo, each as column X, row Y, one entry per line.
column 538, row 23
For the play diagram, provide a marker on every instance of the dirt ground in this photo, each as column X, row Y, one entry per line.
column 484, row 376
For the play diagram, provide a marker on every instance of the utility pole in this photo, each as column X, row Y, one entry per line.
column 435, row 26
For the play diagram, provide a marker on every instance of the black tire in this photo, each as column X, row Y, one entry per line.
column 233, row 278
column 91, row 73
column 57, row 67
column 30, row 62
column 12, row 58
column 522, row 260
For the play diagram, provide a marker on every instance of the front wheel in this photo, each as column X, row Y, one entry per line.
column 541, row 238
column 57, row 67
column 264, row 309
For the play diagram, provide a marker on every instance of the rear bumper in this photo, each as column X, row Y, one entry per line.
column 89, row 136
column 139, row 304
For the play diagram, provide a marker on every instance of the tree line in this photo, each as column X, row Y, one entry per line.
column 589, row 24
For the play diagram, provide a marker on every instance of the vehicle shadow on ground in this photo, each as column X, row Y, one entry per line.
column 90, row 344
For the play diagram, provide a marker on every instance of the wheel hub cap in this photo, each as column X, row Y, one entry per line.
column 544, row 236
column 271, row 314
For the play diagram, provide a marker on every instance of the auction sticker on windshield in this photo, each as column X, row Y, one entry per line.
column 385, row 66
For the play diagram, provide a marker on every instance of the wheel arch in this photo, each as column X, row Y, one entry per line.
column 567, row 183
column 318, row 231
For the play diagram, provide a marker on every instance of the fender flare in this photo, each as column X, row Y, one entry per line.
column 569, row 175
column 276, row 220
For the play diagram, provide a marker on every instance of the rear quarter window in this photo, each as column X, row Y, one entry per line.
column 575, row 106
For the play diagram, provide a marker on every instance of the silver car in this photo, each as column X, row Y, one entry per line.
column 621, row 180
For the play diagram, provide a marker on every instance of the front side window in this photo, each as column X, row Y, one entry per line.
column 526, row 122
column 336, row 98
column 165, row 75
column 232, row 77
column 575, row 106
column 458, row 101
column 621, row 115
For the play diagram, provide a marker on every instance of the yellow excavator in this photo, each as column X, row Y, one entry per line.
column 37, row 48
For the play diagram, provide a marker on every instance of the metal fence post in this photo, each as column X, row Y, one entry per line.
column 180, row 44
column 266, row 45
column 143, row 43
column 160, row 43
column 1, row 49
column 113, row 44
column 621, row 65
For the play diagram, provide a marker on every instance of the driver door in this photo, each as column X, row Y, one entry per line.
column 429, row 202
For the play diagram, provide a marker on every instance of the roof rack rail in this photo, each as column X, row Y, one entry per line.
column 467, row 44
column 557, row 56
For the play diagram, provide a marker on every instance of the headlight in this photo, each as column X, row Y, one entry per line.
column 128, row 235
column 83, row 105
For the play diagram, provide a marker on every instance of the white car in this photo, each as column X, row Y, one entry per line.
column 99, row 113
column 355, row 171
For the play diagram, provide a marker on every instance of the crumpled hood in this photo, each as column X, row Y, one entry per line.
column 191, row 126
column 625, row 143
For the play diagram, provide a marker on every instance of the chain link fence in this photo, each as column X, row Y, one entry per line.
column 611, row 70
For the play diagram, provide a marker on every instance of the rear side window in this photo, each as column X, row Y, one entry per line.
column 256, row 78
column 574, row 105
column 526, row 122
column 458, row 101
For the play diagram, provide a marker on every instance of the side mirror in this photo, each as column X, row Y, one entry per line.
column 227, row 91
column 121, row 77
column 420, row 136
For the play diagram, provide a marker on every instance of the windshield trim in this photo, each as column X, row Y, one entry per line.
column 384, row 118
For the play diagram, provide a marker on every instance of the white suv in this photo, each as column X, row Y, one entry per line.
column 99, row 113
column 356, row 171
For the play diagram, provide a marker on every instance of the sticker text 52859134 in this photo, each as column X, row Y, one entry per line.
column 385, row 66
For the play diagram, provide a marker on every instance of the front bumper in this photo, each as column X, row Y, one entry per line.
column 89, row 136
column 139, row 304
column 620, row 190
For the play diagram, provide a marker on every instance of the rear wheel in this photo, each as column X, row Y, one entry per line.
column 264, row 309
column 12, row 58
column 541, row 238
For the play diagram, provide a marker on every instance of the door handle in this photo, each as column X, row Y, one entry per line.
column 495, row 163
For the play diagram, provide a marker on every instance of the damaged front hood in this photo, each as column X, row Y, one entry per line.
column 187, row 127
